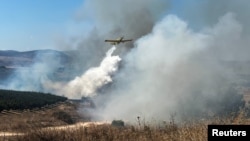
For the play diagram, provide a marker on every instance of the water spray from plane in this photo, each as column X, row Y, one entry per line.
column 175, row 69
column 89, row 82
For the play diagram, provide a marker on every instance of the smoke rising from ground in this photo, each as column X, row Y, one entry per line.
column 33, row 77
column 179, row 64
column 177, row 70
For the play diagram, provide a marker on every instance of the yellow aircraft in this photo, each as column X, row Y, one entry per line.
column 118, row 41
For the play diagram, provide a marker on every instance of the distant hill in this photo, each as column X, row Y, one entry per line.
column 11, row 58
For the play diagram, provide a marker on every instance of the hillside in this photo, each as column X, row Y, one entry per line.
column 58, row 114
column 11, row 58
column 20, row 100
column 12, row 63
column 22, row 110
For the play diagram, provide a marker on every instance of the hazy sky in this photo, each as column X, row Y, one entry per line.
column 37, row 24
column 41, row 24
column 57, row 24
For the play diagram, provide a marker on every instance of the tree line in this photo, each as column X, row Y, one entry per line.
column 20, row 100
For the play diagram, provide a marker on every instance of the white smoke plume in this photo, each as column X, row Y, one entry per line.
column 112, row 19
column 89, row 82
column 177, row 65
column 207, row 12
column 32, row 78
column 177, row 70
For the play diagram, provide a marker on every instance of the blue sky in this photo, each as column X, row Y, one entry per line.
column 35, row 24
column 45, row 24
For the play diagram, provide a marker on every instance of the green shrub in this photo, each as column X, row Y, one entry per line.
column 118, row 123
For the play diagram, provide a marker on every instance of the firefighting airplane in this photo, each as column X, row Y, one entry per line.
column 118, row 41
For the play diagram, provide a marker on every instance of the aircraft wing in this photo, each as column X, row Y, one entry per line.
column 126, row 40
column 118, row 41
column 113, row 41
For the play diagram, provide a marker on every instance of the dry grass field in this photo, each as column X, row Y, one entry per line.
column 21, row 121
column 62, row 122
column 168, row 131
column 186, row 131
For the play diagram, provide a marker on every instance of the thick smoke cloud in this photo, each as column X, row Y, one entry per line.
column 125, row 18
column 33, row 77
column 112, row 19
column 178, row 70
column 183, row 66
column 181, row 63
column 207, row 12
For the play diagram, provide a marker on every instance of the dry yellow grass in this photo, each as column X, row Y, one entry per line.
column 186, row 131
column 32, row 125
column 30, row 119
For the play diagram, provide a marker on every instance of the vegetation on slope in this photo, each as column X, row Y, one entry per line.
column 19, row 100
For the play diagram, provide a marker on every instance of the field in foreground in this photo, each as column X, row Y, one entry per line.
column 167, row 131
column 58, row 114
column 62, row 122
